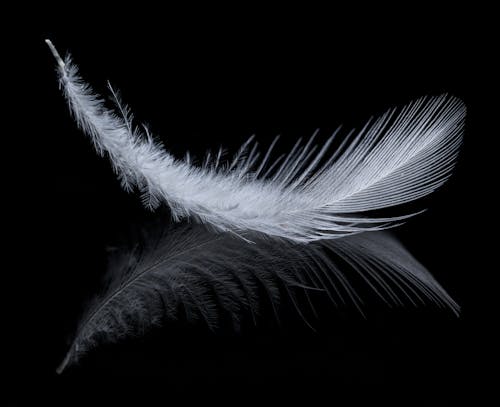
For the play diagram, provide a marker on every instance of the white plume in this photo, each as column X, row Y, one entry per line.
column 304, row 196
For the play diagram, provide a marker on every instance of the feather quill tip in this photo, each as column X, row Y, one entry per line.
column 64, row 363
column 56, row 54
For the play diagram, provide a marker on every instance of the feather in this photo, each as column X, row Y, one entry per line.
column 304, row 196
column 187, row 270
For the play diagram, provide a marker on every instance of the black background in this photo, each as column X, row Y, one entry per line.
column 210, row 77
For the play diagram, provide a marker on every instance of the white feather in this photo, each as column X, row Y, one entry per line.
column 395, row 159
